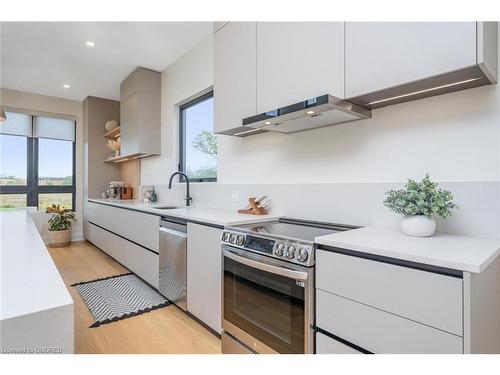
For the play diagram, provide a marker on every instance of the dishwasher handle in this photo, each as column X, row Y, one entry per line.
column 173, row 232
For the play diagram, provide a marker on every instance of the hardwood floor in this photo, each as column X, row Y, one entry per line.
column 167, row 330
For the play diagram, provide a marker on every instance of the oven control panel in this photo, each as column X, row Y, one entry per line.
column 262, row 245
column 289, row 251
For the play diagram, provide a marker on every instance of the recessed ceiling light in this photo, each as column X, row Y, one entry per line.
column 90, row 43
column 66, row 86
column 268, row 123
column 310, row 112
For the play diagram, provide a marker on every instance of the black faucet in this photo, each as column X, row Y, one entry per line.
column 188, row 198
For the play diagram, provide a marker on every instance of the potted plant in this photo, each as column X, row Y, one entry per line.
column 417, row 202
column 60, row 225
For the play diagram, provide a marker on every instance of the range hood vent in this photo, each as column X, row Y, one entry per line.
column 462, row 79
column 314, row 113
column 328, row 110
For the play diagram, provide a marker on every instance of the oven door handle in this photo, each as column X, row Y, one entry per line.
column 286, row 272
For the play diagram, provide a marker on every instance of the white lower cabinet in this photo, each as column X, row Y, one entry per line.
column 142, row 262
column 426, row 297
column 140, row 227
column 204, row 270
column 388, row 308
column 378, row 331
column 328, row 345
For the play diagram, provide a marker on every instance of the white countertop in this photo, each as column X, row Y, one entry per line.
column 453, row 251
column 30, row 280
column 204, row 215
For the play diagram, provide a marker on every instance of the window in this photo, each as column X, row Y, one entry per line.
column 37, row 165
column 198, row 143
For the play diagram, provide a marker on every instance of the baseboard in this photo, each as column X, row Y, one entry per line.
column 77, row 236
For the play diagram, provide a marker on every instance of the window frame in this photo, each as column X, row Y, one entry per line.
column 32, row 189
column 182, row 137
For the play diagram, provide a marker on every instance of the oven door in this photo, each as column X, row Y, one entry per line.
column 267, row 303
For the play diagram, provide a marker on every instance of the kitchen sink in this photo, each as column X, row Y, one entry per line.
column 166, row 207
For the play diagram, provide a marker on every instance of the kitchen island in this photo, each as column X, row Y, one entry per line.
column 36, row 314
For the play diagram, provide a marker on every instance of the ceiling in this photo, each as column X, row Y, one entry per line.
column 41, row 57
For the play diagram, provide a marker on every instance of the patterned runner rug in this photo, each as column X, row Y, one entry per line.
column 119, row 297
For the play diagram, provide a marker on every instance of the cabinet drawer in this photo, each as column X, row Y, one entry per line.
column 425, row 297
column 102, row 239
column 136, row 226
column 327, row 345
column 378, row 331
column 143, row 263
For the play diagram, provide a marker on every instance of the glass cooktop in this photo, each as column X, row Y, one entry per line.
column 296, row 230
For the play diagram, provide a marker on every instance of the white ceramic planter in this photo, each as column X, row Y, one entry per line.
column 418, row 226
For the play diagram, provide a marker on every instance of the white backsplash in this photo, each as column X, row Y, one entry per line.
column 347, row 203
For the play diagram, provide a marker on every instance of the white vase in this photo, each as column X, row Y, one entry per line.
column 418, row 226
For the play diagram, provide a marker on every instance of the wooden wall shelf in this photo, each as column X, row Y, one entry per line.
column 121, row 159
column 113, row 134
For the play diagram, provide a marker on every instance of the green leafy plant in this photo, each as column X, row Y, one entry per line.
column 421, row 198
column 61, row 218
column 206, row 143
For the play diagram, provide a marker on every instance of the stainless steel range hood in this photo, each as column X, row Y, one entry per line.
column 314, row 113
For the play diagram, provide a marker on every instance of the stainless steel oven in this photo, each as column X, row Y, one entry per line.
column 268, row 286
column 267, row 303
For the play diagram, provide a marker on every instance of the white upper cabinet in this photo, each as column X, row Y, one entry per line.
column 140, row 113
column 263, row 66
column 234, row 74
column 297, row 61
column 380, row 55
column 219, row 25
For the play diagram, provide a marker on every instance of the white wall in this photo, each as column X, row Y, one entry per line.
column 41, row 104
column 188, row 77
column 455, row 137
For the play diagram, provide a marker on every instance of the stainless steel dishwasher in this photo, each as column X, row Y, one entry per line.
column 173, row 241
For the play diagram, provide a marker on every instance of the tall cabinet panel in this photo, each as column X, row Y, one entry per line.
column 380, row 55
column 97, row 173
column 140, row 97
column 234, row 74
column 130, row 125
column 298, row 61
column 204, row 274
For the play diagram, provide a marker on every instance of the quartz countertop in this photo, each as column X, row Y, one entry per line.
column 196, row 214
column 463, row 253
column 30, row 280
